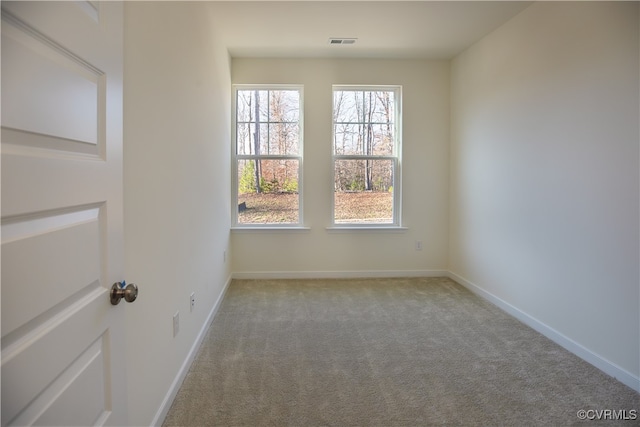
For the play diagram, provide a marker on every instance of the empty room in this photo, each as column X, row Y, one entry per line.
column 305, row 213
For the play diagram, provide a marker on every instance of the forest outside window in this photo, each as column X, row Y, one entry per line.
column 366, row 156
column 268, row 155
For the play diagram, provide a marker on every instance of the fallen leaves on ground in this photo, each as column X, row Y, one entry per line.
column 282, row 208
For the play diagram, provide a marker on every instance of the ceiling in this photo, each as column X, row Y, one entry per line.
column 384, row 29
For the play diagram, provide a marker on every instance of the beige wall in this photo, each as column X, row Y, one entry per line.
column 544, row 177
column 176, row 187
column 424, row 166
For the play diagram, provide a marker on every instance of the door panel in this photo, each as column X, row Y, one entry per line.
column 33, row 258
column 78, row 380
column 40, row 361
column 67, row 109
column 62, row 341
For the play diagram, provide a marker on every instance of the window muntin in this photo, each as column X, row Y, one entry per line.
column 268, row 155
column 366, row 156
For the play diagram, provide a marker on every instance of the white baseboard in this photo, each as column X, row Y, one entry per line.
column 579, row 350
column 353, row 274
column 184, row 369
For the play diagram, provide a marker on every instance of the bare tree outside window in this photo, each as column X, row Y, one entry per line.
column 365, row 153
column 268, row 155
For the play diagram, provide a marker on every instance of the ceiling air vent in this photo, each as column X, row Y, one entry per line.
column 335, row 40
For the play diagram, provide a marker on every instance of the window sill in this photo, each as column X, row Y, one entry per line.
column 366, row 228
column 270, row 229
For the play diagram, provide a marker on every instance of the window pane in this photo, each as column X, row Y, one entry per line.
column 263, row 137
column 382, row 140
column 247, row 103
column 348, row 106
column 284, row 105
column 364, row 123
column 272, row 105
column 244, row 106
column 283, row 139
column 244, row 138
column 275, row 126
column 267, row 191
column 348, row 139
column 364, row 191
column 379, row 107
column 261, row 97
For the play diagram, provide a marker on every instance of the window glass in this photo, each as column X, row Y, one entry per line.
column 268, row 156
column 366, row 148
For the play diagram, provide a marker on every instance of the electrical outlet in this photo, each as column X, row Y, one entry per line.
column 176, row 323
column 224, row 256
column 193, row 300
column 418, row 245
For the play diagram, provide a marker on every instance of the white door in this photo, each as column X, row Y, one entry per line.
column 62, row 341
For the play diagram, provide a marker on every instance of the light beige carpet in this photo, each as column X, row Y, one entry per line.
column 383, row 352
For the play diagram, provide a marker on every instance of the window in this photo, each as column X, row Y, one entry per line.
column 366, row 155
column 268, row 155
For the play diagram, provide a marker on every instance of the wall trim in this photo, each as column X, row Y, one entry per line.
column 609, row 368
column 354, row 274
column 163, row 410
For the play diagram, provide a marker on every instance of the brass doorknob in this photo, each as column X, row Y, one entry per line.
column 129, row 293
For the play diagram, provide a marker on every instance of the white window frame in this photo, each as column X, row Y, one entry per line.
column 396, row 158
column 236, row 157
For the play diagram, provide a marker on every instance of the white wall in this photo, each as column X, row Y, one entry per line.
column 544, row 177
column 544, row 174
column 177, row 180
column 425, row 172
